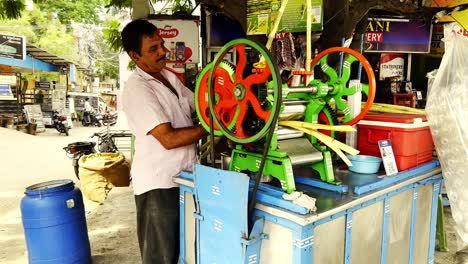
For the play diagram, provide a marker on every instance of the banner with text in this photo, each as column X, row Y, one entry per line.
column 392, row 66
column 12, row 46
column 398, row 35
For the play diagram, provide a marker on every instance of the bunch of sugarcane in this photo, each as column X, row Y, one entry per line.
column 335, row 145
column 397, row 109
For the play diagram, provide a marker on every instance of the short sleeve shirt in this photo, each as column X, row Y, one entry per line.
column 148, row 103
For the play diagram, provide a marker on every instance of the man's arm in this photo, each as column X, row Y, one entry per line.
column 172, row 138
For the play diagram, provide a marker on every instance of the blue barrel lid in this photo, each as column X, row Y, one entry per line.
column 50, row 187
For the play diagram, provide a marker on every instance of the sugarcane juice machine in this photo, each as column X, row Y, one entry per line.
column 244, row 99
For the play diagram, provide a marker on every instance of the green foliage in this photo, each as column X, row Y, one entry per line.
column 21, row 27
column 182, row 6
column 11, row 9
column 118, row 3
column 48, row 34
column 57, row 41
column 82, row 11
column 112, row 36
column 106, row 60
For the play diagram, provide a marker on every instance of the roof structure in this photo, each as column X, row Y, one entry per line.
column 44, row 55
column 37, row 60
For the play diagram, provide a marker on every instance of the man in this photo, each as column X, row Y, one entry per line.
column 87, row 106
column 88, row 114
column 158, row 108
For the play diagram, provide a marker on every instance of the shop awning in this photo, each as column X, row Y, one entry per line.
column 37, row 60
column 44, row 55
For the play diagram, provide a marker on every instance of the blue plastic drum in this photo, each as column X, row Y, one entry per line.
column 54, row 223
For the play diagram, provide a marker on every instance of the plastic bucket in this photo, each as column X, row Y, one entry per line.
column 364, row 164
column 54, row 223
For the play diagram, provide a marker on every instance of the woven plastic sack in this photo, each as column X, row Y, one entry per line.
column 100, row 172
column 447, row 112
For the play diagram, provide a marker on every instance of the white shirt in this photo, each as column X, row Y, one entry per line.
column 148, row 103
column 88, row 107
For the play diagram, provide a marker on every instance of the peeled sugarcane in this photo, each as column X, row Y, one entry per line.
column 295, row 124
column 333, row 144
column 397, row 109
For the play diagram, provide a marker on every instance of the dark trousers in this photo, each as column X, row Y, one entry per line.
column 158, row 226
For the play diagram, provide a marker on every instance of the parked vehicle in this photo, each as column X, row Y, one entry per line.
column 77, row 149
column 91, row 119
column 105, row 143
column 60, row 123
column 109, row 119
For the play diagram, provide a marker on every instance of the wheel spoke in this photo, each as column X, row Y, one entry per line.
column 241, row 61
column 365, row 88
column 347, row 68
column 344, row 108
column 347, row 91
column 259, row 111
column 258, row 78
column 240, row 121
column 329, row 71
column 223, row 84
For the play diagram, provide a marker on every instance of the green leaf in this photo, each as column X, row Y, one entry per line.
column 112, row 36
column 11, row 9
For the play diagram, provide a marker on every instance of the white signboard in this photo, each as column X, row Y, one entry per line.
column 392, row 65
column 181, row 39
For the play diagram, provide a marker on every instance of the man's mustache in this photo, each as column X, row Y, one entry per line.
column 162, row 58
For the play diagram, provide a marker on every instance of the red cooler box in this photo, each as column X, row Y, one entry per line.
column 410, row 135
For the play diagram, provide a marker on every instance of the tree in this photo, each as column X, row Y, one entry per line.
column 11, row 9
column 81, row 11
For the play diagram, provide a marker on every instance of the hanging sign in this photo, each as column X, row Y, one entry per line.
column 12, row 46
column 398, row 35
column 261, row 16
column 437, row 45
column 392, row 66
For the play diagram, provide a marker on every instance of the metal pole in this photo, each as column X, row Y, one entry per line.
column 340, row 67
column 361, row 49
column 408, row 70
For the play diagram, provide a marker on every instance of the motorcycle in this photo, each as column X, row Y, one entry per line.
column 109, row 119
column 60, row 123
column 77, row 149
column 91, row 119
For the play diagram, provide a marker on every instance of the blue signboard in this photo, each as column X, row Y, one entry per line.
column 5, row 90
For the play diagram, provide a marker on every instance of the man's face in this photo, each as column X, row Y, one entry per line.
column 153, row 54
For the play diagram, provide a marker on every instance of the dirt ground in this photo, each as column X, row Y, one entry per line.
column 26, row 160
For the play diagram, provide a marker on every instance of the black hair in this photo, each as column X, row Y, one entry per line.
column 87, row 98
column 133, row 33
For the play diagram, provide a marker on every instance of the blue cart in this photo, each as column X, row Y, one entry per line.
column 369, row 219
